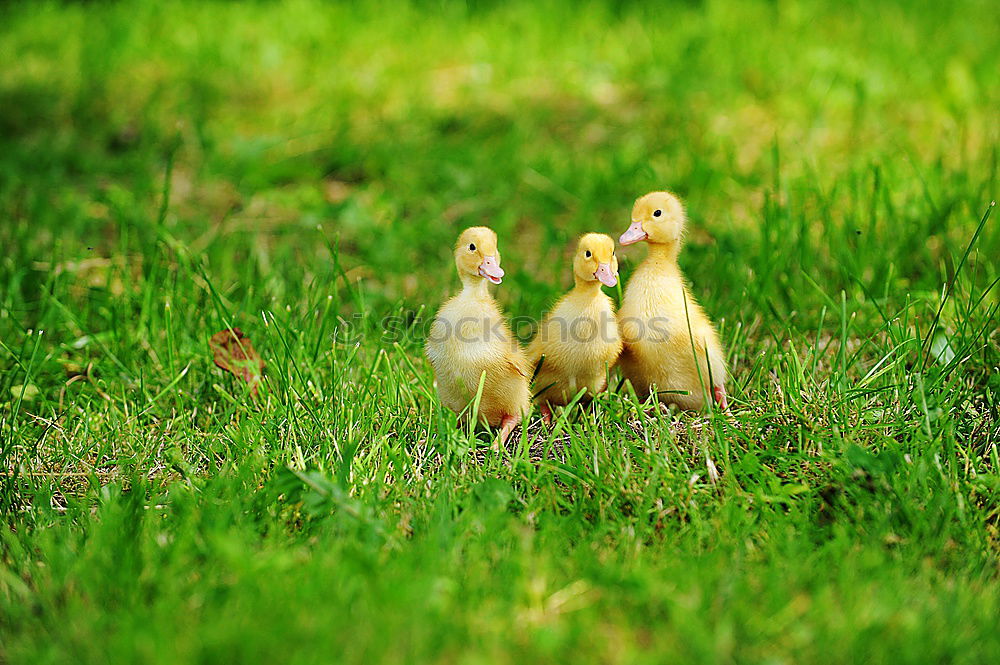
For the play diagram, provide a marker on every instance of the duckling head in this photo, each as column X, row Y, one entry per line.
column 476, row 255
column 657, row 218
column 595, row 260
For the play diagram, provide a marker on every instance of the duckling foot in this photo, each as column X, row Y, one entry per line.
column 719, row 393
column 546, row 414
column 507, row 426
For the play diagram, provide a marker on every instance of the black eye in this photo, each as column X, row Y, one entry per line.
column 657, row 213
column 588, row 253
column 472, row 246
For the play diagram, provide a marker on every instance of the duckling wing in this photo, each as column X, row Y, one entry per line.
column 516, row 362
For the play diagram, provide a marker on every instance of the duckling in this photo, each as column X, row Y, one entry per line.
column 664, row 329
column 469, row 337
column 578, row 340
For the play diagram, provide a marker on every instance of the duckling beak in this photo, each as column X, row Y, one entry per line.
column 605, row 275
column 491, row 270
column 634, row 234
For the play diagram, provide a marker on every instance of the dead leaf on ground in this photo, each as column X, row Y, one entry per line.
column 233, row 352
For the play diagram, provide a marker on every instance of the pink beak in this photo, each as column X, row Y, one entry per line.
column 606, row 276
column 634, row 234
column 491, row 270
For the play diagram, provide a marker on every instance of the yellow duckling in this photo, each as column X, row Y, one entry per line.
column 469, row 337
column 663, row 334
column 578, row 340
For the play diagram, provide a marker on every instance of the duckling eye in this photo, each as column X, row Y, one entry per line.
column 657, row 213
column 472, row 246
column 588, row 253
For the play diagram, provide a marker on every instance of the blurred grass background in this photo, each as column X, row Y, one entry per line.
column 170, row 169
column 394, row 126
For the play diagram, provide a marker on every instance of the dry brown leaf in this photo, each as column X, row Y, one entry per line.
column 233, row 352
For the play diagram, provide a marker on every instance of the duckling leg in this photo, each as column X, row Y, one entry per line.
column 719, row 393
column 546, row 414
column 507, row 426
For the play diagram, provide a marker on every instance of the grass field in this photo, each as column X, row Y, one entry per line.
column 301, row 170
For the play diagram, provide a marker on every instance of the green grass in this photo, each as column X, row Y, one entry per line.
column 301, row 170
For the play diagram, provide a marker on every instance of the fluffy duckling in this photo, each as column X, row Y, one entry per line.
column 469, row 336
column 578, row 340
column 663, row 337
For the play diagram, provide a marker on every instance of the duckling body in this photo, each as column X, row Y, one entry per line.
column 669, row 341
column 469, row 337
column 578, row 340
